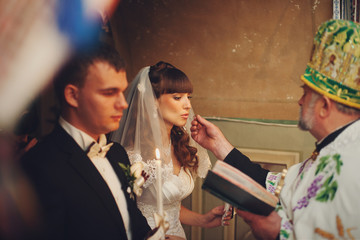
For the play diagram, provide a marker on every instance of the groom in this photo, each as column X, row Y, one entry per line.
column 84, row 196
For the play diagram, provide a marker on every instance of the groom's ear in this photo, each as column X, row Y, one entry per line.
column 71, row 94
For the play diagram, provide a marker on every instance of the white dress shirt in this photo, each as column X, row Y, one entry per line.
column 104, row 167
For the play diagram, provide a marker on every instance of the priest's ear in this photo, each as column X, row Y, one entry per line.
column 71, row 94
column 326, row 106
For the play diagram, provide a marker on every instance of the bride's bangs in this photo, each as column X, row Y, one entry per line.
column 178, row 82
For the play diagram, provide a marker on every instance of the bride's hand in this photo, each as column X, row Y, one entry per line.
column 214, row 218
column 172, row 237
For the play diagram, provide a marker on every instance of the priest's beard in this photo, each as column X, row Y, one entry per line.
column 306, row 120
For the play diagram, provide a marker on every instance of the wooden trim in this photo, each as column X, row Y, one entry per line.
column 271, row 156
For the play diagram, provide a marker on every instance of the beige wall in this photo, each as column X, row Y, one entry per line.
column 244, row 57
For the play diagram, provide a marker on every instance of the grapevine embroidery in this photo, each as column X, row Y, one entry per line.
column 286, row 228
column 323, row 190
column 272, row 182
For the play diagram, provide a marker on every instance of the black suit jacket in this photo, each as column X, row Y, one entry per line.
column 76, row 201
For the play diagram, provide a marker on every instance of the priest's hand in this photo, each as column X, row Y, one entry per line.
column 263, row 227
column 210, row 137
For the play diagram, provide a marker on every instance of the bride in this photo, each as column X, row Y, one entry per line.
column 159, row 108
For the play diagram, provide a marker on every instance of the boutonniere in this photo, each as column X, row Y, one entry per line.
column 135, row 176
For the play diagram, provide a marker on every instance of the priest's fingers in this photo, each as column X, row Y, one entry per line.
column 247, row 216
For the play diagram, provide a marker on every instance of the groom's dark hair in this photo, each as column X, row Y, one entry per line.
column 76, row 68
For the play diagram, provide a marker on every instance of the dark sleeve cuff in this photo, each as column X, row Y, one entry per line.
column 243, row 163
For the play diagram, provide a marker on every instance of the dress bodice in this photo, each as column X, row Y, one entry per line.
column 175, row 188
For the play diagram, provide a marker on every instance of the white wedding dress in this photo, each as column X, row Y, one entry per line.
column 175, row 189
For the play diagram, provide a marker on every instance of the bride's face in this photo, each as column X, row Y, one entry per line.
column 174, row 108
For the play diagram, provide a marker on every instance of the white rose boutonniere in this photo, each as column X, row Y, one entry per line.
column 136, row 177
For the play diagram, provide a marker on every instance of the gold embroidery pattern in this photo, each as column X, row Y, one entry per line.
column 340, row 231
column 334, row 67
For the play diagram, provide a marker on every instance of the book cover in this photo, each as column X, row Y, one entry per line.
column 234, row 187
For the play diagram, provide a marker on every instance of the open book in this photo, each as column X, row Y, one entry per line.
column 234, row 187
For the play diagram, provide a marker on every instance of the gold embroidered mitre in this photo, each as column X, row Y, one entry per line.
column 334, row 67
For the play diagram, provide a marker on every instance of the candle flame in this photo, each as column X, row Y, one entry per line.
column 157, row 154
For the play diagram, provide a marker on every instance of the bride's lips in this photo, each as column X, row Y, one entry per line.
column 185, row 115
column 116, row 117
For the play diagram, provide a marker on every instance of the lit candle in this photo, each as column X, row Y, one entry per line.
column 158, row 182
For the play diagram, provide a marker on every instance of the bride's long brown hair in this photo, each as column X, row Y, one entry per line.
column 165, row 78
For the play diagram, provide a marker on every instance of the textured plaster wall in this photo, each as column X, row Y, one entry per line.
column 244, row 57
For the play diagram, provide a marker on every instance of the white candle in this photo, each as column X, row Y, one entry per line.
column 158, row 182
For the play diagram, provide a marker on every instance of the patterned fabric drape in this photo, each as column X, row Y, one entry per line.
column 346, row 9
